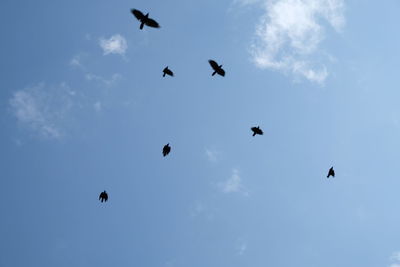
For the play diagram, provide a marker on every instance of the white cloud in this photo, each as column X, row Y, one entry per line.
column 197, row 209
column 116, row 44
column 395, row 256
column 76, row 61
column 242, row 248
column 290, row 32
column 396, row 259
column 233, row 184
column 97, row 106
column 212, row 155
column 41, row 108
column 107, row 82
column 245, row 2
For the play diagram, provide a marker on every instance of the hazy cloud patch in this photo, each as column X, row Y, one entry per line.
column 42, row 108
column 233, row 184
column 116, row 44
column 289, row 34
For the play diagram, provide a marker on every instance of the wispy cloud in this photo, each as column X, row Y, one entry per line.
column 290, row 32
column 233, row 184
column 212, row 155
column 396, row 259
column 107, row 82
column 241, row 247
column 41, row 109
column 116, row 44
column 76, row 61
column 98, row 106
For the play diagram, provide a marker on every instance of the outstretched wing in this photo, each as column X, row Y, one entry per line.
column 106, row 197
column 213, row 64
column 221, row 72
column 137, row 13
column 152, row 23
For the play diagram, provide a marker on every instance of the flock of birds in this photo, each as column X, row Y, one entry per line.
column 217, row 69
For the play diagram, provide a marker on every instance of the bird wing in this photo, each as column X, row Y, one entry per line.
column 221, row 72
column 260, row 132
column 253, row 129
column 106, row 197
column 100, row 196
column 137, row 13
column 152, row 23
column 213, row 64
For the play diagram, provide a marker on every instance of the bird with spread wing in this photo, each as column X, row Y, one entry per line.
column 144, row 19
column 257, row 130
column 217, row 68
column 167, row 71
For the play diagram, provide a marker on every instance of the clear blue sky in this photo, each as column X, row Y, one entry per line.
column 84, row 108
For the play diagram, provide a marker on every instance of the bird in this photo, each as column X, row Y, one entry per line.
column 166, row 150
column 167, row 71
column 257, row 130
column 103, row 196
column 144, row 19
column 217, row 68
column 331, row 173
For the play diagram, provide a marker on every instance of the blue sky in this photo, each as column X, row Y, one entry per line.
column 84, row 108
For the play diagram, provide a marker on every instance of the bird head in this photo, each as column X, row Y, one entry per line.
column 147, row 15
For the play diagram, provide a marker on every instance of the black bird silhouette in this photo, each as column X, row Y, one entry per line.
column 331, row 173
column 144, row 19
column 166, row 149
column 257, row 130
column 217, row 68
column 167, row 71
column 103, row 196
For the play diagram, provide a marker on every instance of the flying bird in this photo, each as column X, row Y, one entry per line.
column 217, row 68
column 103, row 196
column 144, row 19
column 167, row 71
column 257, row 130
column 166, row 150
column 331, row 173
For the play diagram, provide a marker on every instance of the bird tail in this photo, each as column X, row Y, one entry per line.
column 213, row 73
column 254, row 134
column 141, row 25
column 164, row 74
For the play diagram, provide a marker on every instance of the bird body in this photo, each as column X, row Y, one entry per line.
column 144, row 19
column 103, row 196
column 167, row 71
column 217, row 68
column 331, row 172
column 166, row 150
column 257, row 130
